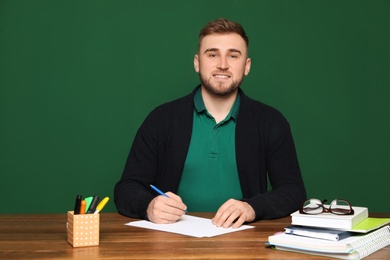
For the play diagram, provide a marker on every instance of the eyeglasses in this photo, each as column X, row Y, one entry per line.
column 337, row 206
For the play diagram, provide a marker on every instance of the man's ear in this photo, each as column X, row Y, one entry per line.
column 196, row 62
column 247, row 66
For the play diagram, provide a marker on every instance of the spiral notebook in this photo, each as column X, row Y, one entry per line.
column 353, row 247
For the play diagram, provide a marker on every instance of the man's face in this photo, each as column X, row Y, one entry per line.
column 222, row 62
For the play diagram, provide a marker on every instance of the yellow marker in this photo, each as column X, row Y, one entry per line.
column 101, row 205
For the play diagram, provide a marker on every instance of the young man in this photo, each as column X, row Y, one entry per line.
column 214, row 149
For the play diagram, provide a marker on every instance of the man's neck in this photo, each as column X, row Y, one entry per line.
column 218, row 106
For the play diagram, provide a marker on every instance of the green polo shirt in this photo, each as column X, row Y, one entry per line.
column 210, row 175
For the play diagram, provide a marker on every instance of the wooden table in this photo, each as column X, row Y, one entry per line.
column 43, row 236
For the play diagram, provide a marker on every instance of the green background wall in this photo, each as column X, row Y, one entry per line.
column 77, row 78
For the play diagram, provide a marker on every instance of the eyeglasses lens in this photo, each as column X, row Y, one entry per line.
column 340, row 207
column 312, row 206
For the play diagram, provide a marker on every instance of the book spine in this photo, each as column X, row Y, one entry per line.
column 375, row 235
column 323, row 223
column 375, row 246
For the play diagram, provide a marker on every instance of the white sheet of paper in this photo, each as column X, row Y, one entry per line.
column 189, row 226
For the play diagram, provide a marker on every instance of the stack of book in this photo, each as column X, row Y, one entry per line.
column 344, row 237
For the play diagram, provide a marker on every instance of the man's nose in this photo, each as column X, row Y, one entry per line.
column 223, row 64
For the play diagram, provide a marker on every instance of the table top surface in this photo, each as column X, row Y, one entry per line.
column 44, row 236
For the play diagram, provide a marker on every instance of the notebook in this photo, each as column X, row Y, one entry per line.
column 376, row 240
column 359, row 253
column 321, row 233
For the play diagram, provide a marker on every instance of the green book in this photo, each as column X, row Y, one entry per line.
column 370, row 224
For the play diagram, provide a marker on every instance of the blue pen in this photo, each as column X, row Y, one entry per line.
column 160, row 192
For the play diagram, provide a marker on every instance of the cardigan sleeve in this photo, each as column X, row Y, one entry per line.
column 266, row 155
column 156, row 157
column 131, row 193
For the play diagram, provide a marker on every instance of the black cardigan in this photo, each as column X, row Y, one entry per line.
column 264, row 148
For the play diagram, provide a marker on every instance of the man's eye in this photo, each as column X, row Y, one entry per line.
column 212, row 55
column 234, row 56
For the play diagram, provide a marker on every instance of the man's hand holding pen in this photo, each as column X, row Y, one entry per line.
column 165, row 209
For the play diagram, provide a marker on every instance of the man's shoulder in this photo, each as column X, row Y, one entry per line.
column 254, row 113
column 175, row 108
column 257, row 108
column 175, row 104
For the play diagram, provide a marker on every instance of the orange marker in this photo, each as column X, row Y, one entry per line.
column 83, row 205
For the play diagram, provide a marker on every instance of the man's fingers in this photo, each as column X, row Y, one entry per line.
column 233, row 213
column 164, row 209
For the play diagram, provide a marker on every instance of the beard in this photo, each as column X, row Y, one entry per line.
column 220, row 89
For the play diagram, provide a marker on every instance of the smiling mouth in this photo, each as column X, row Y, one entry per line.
column 221, row 76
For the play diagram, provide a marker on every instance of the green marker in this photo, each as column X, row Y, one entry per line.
column 88, row 200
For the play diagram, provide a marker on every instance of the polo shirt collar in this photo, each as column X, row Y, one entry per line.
column 200, row 107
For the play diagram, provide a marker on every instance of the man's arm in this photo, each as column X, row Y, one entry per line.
column 266, row 154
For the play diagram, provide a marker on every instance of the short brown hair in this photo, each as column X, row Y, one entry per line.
column 223, row 26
